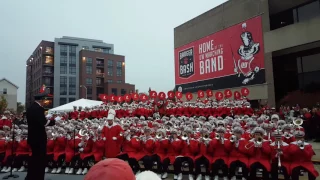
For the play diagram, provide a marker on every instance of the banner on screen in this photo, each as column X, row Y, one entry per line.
column 232, row 57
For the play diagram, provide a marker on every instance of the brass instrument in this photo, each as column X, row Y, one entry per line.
column 301, row 144
column 159, row 136
column 258, row 142
column 279, row 150
column 217, row 136
column 233, row 138
column 206, row 137
column 184, row 136
column 297, row 122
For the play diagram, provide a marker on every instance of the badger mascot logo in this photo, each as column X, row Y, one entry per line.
column 245, row 65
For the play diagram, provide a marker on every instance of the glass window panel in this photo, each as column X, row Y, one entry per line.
column 89, row 69
column 72, row 60
column 119, row 72
column 110, row 71
column 72, row 99
column 89, row 81
column 309, row 11
column 63, row 59
column 110, row 62
column 119, row 64
column 72, row 70
column 63, row 101
column 89, row 61
column 311, row 63
column 63, row 48
column 72, row 91
column 299, row 66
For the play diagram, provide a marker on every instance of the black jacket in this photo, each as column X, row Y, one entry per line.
column 36, row 125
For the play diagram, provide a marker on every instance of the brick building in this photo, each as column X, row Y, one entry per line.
column 102, row 73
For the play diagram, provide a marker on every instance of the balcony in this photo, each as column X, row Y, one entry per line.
column 100, row 65
column 47, row 73
column 48, row 51
column 100, row 74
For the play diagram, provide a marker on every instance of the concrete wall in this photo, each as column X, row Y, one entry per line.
column 293, row 35
column 11, row 95
column 223, row 16
column 79, row 43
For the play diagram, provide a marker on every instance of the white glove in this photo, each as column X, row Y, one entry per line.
column 94, row 139
column 128, row 138
column 114, row 138
column 81, row 149
column 68, row 137
column 80, row 144
column 104, row 138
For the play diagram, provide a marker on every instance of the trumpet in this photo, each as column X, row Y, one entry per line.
column 206, row 137
column 83, row 132
column 217, row 136
column 184, row 136
column 301, row 144
column 259, row 140
column 233, row 138
column 159, row 136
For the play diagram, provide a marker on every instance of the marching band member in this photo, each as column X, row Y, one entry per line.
column 71, row 150
column 11, row 146
column 280, row 156
column 175, row 154
column 133, row 149
column 126, row 132
column 238, row 154
column 111, row 131
column 189, row 150
column 219, row 154
column 50, row 149
column 3, row 143
column 85, row 148
column 301, row 153
column 98, row 146
column 259, row 154
column 147, row 149
column 203, row 156
column 160, row 153
column 59, row 150
column 22, row 152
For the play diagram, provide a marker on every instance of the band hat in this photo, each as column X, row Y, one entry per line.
column 112, row 169
column 299, row 134
column 111, row 114
column 220, row 130
column 238, row 130
column 277, row 134
column 258, row 130
column 275, row 116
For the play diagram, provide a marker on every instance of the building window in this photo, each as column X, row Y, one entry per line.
column 63, row 85
column 63, row 48
column 72, row 60
column 89, row 61
column 49, row 50
column 110, row 63
column 119, row 64
column 47, row 81
column 89, row 69
column 88, row 81
column 72, row 70
column 89, row 90
column 71, row 99
column 105, row 50
column 73, row 49
column 98, row 82
column 63, row 69
column 119, row 81
column 5, row 91
column 308, row 72
column 72, row 81
column 49, row 60
column 114, row 91
column 63, row 101
column 308, row 11
column 123, row 92
column 85, row 47
column 63, row 59
column 110, row 71
column 119, row 72
column 72, row 91
column 109, row 81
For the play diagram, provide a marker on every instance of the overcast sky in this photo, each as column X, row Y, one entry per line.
column 141, row 30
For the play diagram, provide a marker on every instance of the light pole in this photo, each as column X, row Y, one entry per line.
column 85, row 89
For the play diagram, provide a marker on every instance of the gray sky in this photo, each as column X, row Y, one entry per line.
column 141, row 30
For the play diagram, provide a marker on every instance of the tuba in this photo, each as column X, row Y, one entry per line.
column 297, row 122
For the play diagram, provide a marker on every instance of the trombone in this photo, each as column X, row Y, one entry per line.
column 279, row 154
